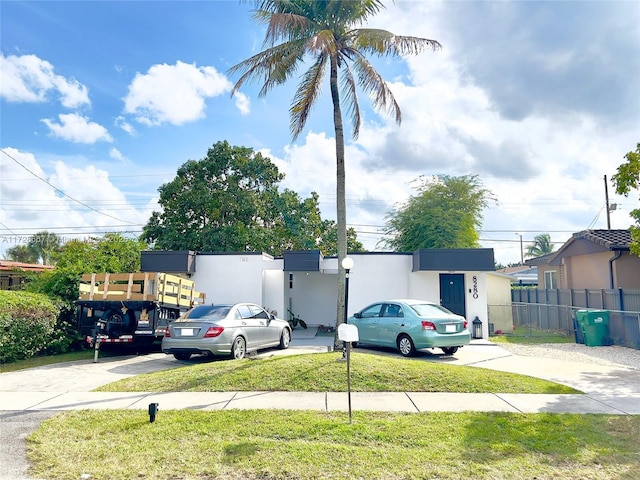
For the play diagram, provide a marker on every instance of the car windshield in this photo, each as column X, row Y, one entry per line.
column 207, row 312
column 430, row 310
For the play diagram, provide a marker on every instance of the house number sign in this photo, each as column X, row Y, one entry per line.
column 475, row 287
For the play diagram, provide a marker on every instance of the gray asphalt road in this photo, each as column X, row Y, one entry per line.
column 14, row 428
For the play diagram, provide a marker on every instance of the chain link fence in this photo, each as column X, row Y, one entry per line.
column 624, row 326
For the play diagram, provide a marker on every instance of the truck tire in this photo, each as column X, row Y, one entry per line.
column 117, row 322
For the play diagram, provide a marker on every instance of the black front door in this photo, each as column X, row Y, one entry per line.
column 452, row 292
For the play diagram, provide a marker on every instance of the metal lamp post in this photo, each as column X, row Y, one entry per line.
column 347, row 264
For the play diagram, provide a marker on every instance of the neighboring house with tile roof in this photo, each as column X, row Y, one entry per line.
column 13, row 274
column 591, row 259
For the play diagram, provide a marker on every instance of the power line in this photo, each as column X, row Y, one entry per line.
column 61, row 192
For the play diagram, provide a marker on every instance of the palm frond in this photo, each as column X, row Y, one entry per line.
column 372, row 83
column 384, row 43
column 273, row 66
column 348, row 12
column 350, row 98
column 287, row 27
column 323, row 41
column 325, row 30
column 306, row 95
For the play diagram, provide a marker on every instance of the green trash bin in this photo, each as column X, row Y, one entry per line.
column 595, row 327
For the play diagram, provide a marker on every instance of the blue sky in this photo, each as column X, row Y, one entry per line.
column 102, row 101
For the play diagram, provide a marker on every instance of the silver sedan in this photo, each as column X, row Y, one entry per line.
column 229, row 330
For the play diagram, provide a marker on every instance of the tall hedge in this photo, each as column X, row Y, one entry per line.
column 27, row 324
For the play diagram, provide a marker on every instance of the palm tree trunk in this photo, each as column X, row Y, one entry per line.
column 341, row 203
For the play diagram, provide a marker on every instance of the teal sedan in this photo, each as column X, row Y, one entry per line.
column 411, row 325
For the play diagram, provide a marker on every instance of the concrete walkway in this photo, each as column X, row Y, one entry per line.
column 327, row 401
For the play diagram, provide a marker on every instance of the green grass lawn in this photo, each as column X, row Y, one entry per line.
column 286, row 445
column 531, row 336
column 321, row 372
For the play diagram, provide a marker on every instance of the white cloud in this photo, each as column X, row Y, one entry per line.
column 175, row 94
column 78, row 129
column 121, row 123
column 27, row 78
column 14, row 167
column 116, row 154
column 242, row 103
column 91, row 203
column 310, row 166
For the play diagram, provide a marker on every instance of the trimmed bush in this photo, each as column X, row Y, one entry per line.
column 27, row 324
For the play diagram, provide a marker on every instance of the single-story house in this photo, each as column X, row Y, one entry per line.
column 522, row 275
column 591, row 259
column 304, row 283
column 13, row 274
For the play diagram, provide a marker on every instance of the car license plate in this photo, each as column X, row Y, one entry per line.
column 186, row 332
column 450, row 329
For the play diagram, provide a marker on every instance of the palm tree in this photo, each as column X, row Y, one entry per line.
column 541, row 246
column 22, row 253
column 44, row 245
column 326, row 33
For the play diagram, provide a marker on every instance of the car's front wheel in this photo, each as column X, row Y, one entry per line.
column 449, row 350
column 239, row 348
column 182, row 356
column 285, row 339
column 405, row 345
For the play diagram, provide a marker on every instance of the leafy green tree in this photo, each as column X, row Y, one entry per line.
column 41, row 247
column 446, row 213
column 326, row 35
column 541, row 246
column 328, row 243
column 228, row 202
column 301, row 227
column 219, row 203
column 22, row 253
column 626, row 179
column 112, row 253
column 44, row 244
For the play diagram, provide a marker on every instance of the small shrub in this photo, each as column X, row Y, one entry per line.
column 27, row 324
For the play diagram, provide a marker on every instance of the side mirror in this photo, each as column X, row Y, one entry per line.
column 357, row 315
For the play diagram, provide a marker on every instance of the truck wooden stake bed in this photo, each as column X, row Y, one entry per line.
column 132, row 307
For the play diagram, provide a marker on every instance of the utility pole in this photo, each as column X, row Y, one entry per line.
column 606, row 199
column 521, row 250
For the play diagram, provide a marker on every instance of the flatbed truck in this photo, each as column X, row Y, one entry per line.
column 132, row 308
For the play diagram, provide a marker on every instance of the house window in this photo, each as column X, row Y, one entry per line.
column 551, row 280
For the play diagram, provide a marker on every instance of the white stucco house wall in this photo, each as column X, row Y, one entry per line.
column 305, row 283
column 500, row 313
